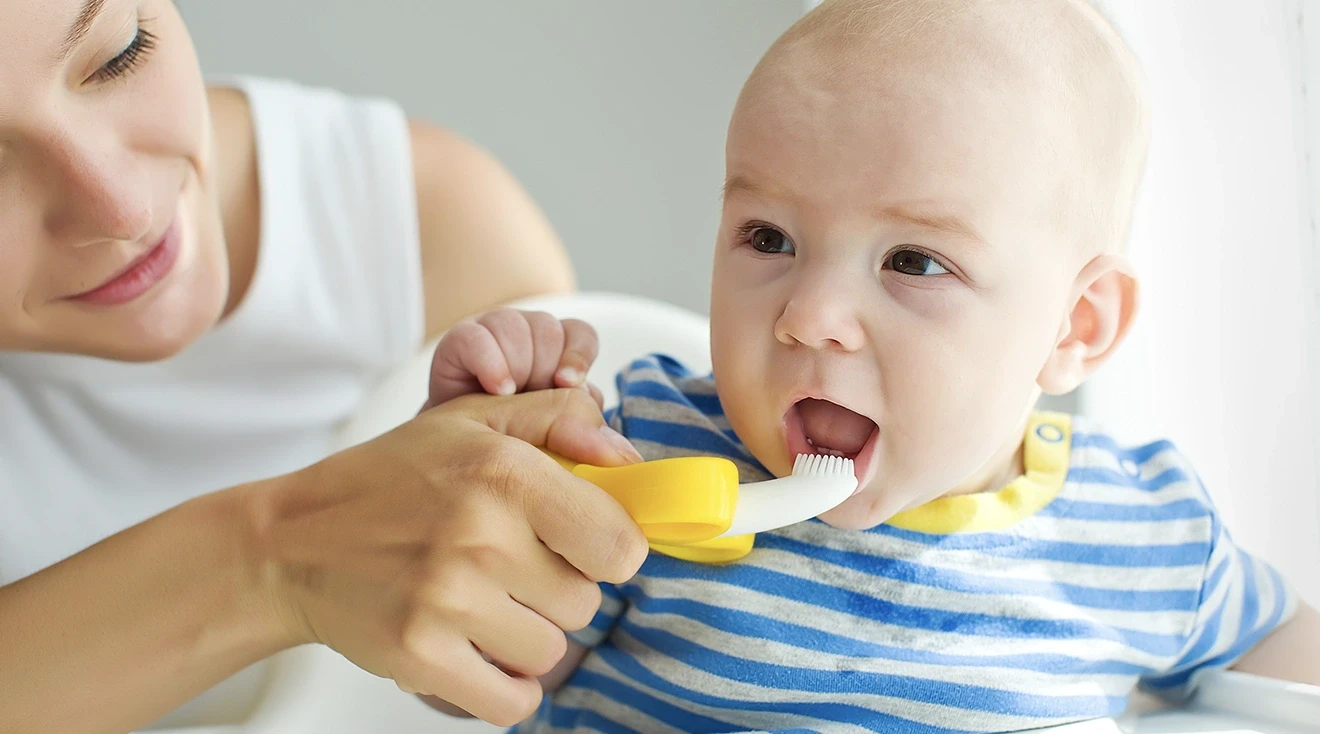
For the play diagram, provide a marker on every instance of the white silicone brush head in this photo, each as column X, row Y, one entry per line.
column 818, row 483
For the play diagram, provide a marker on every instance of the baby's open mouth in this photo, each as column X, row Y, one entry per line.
column 816, row 426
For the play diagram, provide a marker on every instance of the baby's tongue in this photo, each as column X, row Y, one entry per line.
column 831, row 426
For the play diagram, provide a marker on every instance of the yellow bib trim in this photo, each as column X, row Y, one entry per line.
column 1045, row 452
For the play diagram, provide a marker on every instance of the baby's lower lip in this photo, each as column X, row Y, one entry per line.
column 864, row 462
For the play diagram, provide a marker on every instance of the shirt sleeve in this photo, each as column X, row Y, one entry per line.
column 337, row 173
column 1242, row 600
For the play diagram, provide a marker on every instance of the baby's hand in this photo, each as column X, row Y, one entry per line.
column 506, row 351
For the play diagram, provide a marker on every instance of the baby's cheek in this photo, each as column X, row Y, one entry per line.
column 763, row 440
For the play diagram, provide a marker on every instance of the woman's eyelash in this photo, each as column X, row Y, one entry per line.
column 128, row 59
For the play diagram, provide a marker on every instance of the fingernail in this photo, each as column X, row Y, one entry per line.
column 570, row 375
column 508, row 387
column 620, row 444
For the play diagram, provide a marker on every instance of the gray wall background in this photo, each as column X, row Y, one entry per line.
column 612, row 113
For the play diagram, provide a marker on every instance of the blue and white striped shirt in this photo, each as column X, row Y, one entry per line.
column 1118, row 573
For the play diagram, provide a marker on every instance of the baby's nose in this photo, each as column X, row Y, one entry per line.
column 821, row 318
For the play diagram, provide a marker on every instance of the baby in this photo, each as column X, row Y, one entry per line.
column 923, row 227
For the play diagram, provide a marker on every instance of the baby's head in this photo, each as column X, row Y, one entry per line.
column 923, row 224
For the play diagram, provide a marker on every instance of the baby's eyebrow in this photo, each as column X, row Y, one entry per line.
column 924, row 218
column 947, row 223
column 739, row 184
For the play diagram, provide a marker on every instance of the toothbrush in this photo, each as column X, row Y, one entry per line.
column 693, row 508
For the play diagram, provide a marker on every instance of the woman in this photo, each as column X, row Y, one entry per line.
column 196, row 286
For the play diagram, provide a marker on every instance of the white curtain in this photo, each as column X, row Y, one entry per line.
column 1224, row 356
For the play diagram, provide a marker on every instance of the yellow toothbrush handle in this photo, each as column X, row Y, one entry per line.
column 681, row 504
column 715, row 550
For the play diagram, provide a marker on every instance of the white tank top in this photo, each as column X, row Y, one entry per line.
column 89, row 447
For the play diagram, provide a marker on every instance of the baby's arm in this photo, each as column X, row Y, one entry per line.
column 1292, row 652
column 550, row 682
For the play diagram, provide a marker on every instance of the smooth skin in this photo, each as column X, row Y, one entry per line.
column 416, row 554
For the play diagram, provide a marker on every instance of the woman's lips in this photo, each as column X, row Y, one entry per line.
column 140, row 276
column 863, row 462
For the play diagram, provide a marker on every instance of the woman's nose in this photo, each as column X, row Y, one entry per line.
column 104, row 193
column 820, row 314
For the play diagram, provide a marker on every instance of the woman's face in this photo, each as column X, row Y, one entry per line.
column 111, row 243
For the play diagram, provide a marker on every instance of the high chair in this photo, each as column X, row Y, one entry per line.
column 312, row 690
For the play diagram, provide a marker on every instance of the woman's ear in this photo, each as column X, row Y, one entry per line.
column 1104, row 303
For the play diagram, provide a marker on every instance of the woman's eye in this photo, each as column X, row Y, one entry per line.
column 128, row 60
column 911, row 262
column 770, row 241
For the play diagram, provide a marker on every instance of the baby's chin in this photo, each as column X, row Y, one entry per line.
column 862, row 511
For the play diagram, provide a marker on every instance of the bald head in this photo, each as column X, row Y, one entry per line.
column 1054, row 67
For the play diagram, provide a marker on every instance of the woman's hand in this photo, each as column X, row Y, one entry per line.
column 452, row 541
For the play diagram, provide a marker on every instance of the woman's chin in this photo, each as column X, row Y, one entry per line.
column 155, row 348
column 159, row 327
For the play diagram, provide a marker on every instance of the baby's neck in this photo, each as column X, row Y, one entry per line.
column 997, row 474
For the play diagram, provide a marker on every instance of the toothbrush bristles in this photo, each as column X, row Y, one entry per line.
column 822, row 465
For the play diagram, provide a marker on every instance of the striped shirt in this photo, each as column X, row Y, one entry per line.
column 1112, row 570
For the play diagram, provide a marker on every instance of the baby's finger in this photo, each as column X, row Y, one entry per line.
column 475, row 352
column 513, row 334
column 581, row 345
column 547, row 346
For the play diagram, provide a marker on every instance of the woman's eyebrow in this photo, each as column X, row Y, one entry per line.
column 90, row 9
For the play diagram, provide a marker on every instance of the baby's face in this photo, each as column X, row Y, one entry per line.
column 891, row 275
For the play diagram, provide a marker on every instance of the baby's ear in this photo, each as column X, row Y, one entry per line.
column 1104, row 305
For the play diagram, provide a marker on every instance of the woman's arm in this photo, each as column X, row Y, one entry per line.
column 412, row 555
column 484, row 241
column 123, row 632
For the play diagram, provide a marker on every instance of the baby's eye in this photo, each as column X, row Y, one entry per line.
column 912, row 262
column 769, row 241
